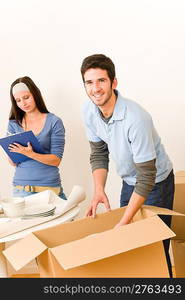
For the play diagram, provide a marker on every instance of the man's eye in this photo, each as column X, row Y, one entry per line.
column 88, row 83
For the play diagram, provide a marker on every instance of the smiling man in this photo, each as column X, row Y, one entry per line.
column 122, row 128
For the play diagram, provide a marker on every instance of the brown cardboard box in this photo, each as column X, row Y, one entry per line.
column 93, row 248
column 178, row 248
column 178, row 225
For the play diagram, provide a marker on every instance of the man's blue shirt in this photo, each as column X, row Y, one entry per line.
column 131, row 138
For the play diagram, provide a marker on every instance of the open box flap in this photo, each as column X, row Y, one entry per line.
column 111, row 242
column 23, row 251
column 160, row 211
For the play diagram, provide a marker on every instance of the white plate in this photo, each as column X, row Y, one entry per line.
column 40, row 215
column 39, row 209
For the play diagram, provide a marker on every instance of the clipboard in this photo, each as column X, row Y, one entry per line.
column 21, row 138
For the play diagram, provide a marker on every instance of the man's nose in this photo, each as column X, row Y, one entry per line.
column 96, row 86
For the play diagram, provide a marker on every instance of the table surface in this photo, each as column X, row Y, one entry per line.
column 68, row 216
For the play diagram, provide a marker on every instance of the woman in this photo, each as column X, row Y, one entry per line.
column 28, row 112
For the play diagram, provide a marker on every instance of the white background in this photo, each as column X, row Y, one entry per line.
column 47, row 40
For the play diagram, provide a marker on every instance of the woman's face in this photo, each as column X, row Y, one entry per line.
column 25, row 101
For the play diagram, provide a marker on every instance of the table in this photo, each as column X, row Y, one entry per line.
column 68, row 216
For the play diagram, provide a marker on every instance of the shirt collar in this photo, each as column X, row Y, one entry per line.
column 119, row 109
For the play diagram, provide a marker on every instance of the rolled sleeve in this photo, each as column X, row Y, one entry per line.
column 99, row 157
column 146, row 175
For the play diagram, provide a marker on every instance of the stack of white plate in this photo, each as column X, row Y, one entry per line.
column 42, row 210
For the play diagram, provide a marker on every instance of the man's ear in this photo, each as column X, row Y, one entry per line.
column 114, row 84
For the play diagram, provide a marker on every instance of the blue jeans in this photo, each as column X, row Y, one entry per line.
column 162, row 195
column 21, row 193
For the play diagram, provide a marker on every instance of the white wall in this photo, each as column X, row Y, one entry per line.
column 47, row 40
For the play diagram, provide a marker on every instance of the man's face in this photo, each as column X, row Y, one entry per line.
column 98, row 86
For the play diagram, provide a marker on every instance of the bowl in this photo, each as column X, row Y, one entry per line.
column 13, row 206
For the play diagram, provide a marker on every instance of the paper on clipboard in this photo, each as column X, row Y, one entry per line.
column 21, row 138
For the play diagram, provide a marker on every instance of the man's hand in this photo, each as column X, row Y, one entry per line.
column 118, row 225
column 17, row 148
column 135, row 203
column 98, row 198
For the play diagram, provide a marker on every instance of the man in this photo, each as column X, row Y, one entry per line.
column 124, row 129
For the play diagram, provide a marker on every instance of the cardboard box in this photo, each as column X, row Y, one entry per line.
column 178, row 225
column 93, row 248
column 178, row 248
